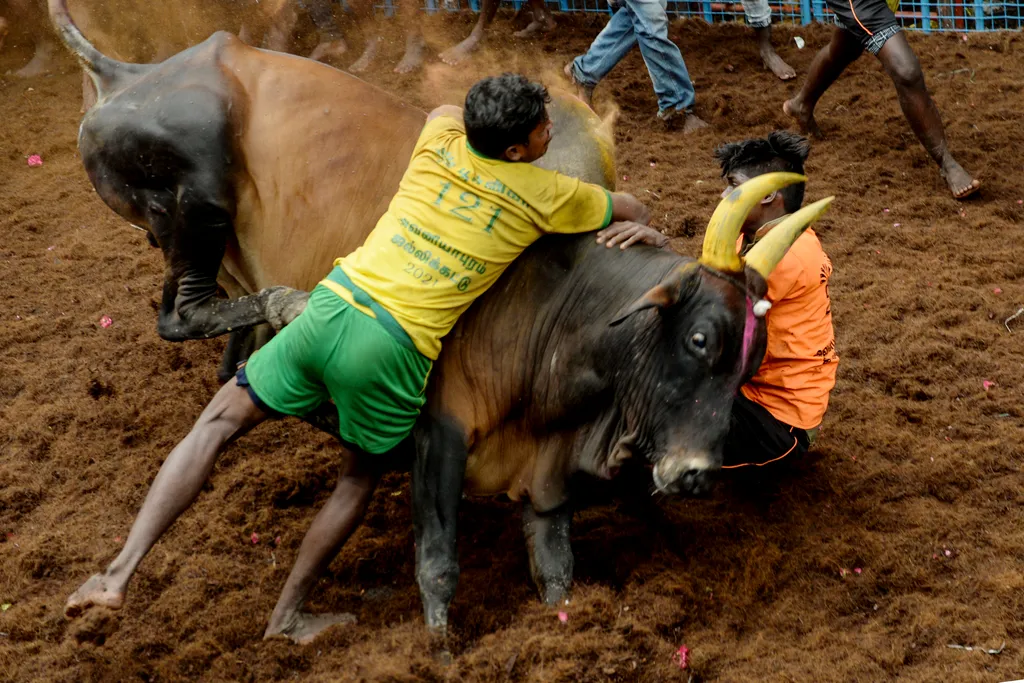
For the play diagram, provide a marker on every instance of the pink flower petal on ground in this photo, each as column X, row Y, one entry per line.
column 997, row 290
column 987, row 384
column 948, row 553
column 896, row 225
column 254, row 538
column 625, row 177
column 35, row 160
column 563, row 617
column 106, row 321
column 856, row 570
column 1020, row 201
column 653, row 164
column 885, row 210
column 682, row 657
column 277, row 541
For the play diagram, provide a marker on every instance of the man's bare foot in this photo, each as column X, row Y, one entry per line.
column 40, row 63
column 329, row 49
column 99, row 590
column 537, row 26
column 584, row 92
column 365, row 59
column 413, row 57
column 774, row 63
column 960, row 182
column 303, row 628
column 804, row 119
column 461, row 52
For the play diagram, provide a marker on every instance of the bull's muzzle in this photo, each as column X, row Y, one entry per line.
column 687, row 472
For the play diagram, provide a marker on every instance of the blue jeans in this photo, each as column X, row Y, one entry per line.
column 644, row 22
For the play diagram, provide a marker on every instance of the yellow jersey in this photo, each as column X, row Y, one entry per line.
column 458, row 220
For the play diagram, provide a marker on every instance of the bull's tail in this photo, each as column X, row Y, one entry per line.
column 104, row 71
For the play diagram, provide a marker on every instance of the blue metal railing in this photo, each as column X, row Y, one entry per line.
column 921, row 15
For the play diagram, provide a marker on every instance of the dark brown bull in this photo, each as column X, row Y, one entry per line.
column 263, row 167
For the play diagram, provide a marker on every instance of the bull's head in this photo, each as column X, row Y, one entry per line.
column 708, row 339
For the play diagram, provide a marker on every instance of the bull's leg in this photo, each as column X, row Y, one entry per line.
column 438, row 470
column 547, row 542
column 239, row 347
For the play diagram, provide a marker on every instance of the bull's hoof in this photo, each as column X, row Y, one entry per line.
column 281, row 305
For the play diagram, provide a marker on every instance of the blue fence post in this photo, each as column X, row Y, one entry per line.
column 431, row 6
column 979, row 16
column 805, row 12
column 819, row 10
column 926, row 18
column 563, row 5
column 474, row 5
column 707, row 11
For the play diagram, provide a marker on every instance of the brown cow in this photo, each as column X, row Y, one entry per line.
column 254, row 169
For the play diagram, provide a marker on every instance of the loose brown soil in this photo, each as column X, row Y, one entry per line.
column 903, row 532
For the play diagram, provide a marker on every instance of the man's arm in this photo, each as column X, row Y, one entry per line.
column 445, row 110
column 626, row 207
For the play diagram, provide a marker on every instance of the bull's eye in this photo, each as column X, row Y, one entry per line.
column 698, row 340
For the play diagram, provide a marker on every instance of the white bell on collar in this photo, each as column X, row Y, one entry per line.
column 761, row 308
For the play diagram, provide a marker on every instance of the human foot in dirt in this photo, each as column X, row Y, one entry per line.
column 584, row 92
column 41, row 61
column 413, row 57
column 542, row 25
column 774, row 63
column 365, row 59
column 795, row 109
column 461, row 52
column 303, row 628
column 100, row 590
column 960, row 182
column 329, row 49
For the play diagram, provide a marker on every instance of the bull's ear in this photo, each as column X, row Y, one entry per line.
column 663, row 295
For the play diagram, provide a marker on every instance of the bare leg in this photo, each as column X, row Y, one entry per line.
column 229, row 415
column 542, row 20
column 332, row 44
column 278, row 36
column 366, row 59
column 772, row 61
column 41, row 60
column 828, row 64
column 901, row 64
column 415, row 46
column 462, row 51
column 331, row 528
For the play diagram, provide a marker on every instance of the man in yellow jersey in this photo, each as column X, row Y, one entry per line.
column 778, row 412
column 469, row 203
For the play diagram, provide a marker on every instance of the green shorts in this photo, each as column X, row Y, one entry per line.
column 333, row 351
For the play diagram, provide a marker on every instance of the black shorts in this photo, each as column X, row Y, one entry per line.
column 756, row 438
column 871, row 21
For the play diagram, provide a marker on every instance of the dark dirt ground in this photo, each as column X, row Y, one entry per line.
column 916, row 481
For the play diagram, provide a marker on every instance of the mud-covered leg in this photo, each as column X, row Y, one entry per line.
column 547, row 542
column 438, row 470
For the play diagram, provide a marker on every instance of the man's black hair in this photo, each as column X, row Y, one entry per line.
column 501, row 111
column 780, row 151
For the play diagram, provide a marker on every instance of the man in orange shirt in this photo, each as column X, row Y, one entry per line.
column 778, row 412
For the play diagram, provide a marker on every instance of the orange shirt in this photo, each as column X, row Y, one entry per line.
column 799, row 367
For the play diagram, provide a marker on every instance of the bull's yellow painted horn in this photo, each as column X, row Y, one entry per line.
column 724, row 228
column 769, row 250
